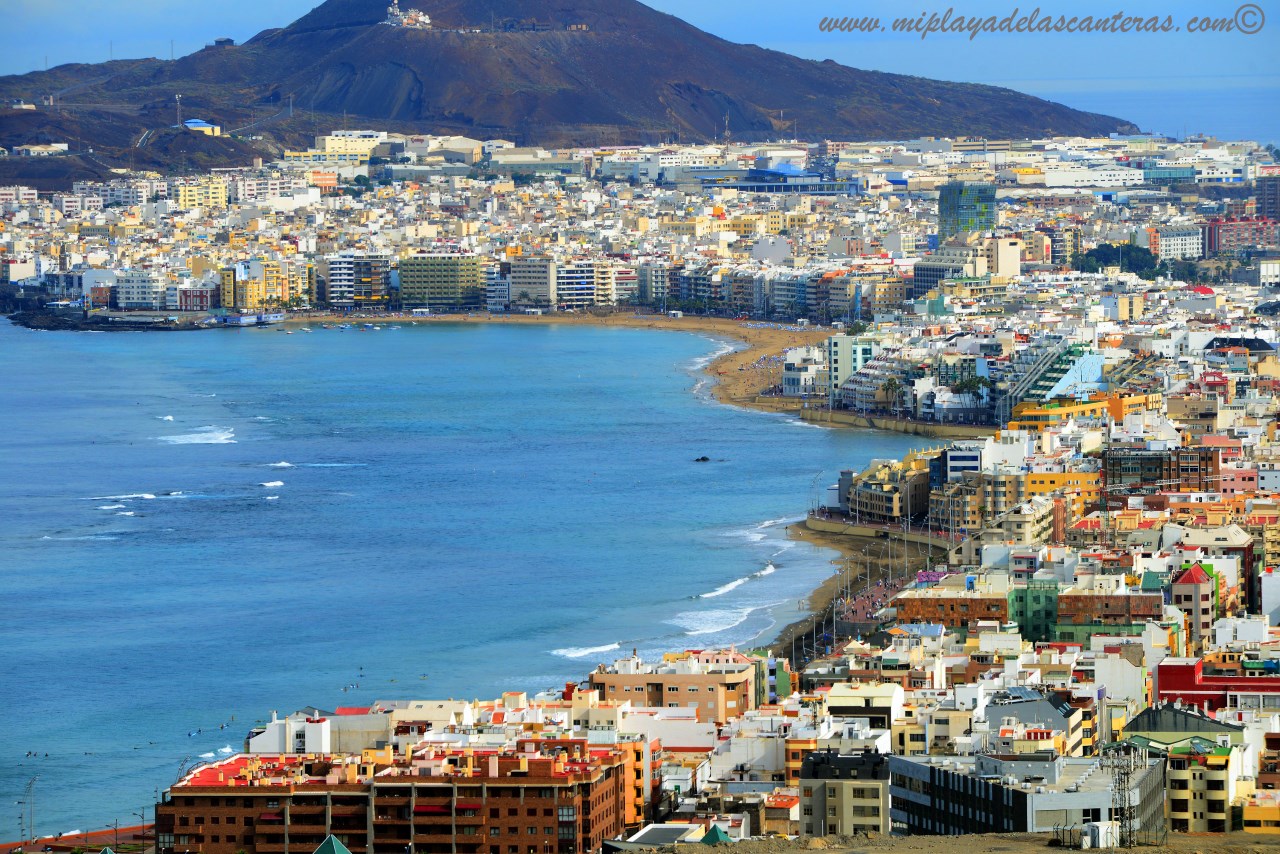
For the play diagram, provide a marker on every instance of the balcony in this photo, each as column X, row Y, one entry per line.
column 442, row 834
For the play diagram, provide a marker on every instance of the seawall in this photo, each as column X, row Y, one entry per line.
column 849, row 529
column 837, row 418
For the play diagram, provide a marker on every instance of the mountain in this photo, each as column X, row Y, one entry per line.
column 536, row 71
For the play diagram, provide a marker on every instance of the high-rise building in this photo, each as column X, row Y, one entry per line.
column 533, row 281
column 441, row 280
column 258, row 284
column 949, row 262
column 1269, row 197
column 965, row 207
column 357, row 279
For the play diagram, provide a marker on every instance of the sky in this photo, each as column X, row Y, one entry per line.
column 1176, row 83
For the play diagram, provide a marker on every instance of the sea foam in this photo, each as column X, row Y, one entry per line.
column 726, row 588
column 271, row 484
column 583, row 651
column 711, row 622
column 204, row 436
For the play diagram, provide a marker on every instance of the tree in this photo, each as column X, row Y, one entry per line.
column 892, row 388
column 1129, row 258
column 973, row 385
column 1185, row 271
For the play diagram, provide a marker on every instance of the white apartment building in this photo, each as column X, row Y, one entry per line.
column 17, row 194
column 845, row 355
column 140, row 289
column 800, row 370
column 575, row 285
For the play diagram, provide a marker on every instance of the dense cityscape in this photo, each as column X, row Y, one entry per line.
column 1083, row 645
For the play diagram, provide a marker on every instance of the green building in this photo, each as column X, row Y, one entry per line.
column 965, row 207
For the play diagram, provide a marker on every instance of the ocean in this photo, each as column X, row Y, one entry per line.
column 200, row 528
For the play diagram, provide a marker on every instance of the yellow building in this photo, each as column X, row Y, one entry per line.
column 1202, row 785
column 889, row 490
column 881, row 289
column 199, row 193
column 694, row 227
column 1034, row 416
column 441, row 280
column 258, row 284
column 1082, row 487
column 1262, row 813
column 798, row 750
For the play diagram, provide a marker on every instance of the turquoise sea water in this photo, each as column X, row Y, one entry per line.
column 199, row 528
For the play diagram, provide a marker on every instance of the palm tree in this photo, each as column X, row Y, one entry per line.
column 892, row 387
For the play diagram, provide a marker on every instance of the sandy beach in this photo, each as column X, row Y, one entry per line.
column 864, row 577
column 740, row 376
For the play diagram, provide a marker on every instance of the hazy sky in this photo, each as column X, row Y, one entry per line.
column 1225, row 83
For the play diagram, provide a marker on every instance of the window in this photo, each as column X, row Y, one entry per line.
column 808, row 810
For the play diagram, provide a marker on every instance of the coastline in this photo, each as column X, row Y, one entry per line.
column 862, row 562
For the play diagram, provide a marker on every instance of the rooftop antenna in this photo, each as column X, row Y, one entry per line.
column 727, row 134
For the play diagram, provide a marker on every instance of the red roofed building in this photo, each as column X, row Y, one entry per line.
column 1195, row 594
column 457, row 801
